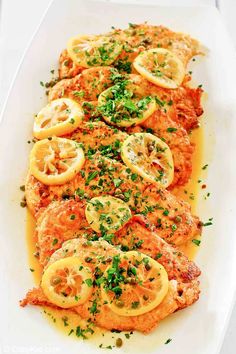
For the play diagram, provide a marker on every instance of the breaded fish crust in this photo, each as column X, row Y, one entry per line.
column 161, row 207
column 179, row 294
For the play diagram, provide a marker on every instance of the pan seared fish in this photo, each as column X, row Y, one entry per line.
column 136, row 38
column 129, row 275
column 177, row 110
column 169, row 214
column 182, row 105
column 100, row 254
column 55, row 223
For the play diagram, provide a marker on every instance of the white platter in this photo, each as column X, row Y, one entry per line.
column 198, row 329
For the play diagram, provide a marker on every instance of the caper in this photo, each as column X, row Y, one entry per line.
column 120, row 303
column 150, row 147
column 119, row 342
column 121, row 196
column 147, row 266
column 56, row 280
column 36, row 254
column 147, row 41
column 178, row 218
column 131, row 281
column 118, row 191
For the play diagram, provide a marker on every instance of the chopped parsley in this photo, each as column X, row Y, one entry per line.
column 168, row 341
column 55, row 241
column 122, row 104
column 93, row 309
column 209, row 223
column 135, row 304
column 91, row 176
column 80, row 332
column 196, row 242
column 171, row 130
column 89, row 282
column 117, row 182
column 123, row 65
column 158, row 255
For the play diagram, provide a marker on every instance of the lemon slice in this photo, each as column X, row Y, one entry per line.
column 67, row 282
column 134, row 284
column 161, row 67
column 124, row 105
column 56, row 160
column 150, row 157
column 106, row 213
column 93, row 50
column 59, row 117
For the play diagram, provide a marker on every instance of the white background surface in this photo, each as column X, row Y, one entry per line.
column 19, row 19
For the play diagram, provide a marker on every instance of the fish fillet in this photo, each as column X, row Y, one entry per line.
column 179, row 294
column 55, row 222
column 139, row 195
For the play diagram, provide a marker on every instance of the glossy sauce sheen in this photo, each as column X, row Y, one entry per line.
column 67, row 321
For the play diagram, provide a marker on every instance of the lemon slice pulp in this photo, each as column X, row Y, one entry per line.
column 56, row 160
column 150, row 157
column 134, row 284
column 124, row 105
column 161, row 67
column 107, row 213
column 59, row 117
column 93, row 50
column 67, row 282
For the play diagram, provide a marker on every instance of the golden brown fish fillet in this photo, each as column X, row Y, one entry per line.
column 85, row 86
column 186, row 108
column 182, row 105
column 166, row 122
column 136, row 38
column 147, row 36
column 67, row 68
column 55, row 223
column 100, row 136
column 139, row 235
column 179, row 294
column 170, row 215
